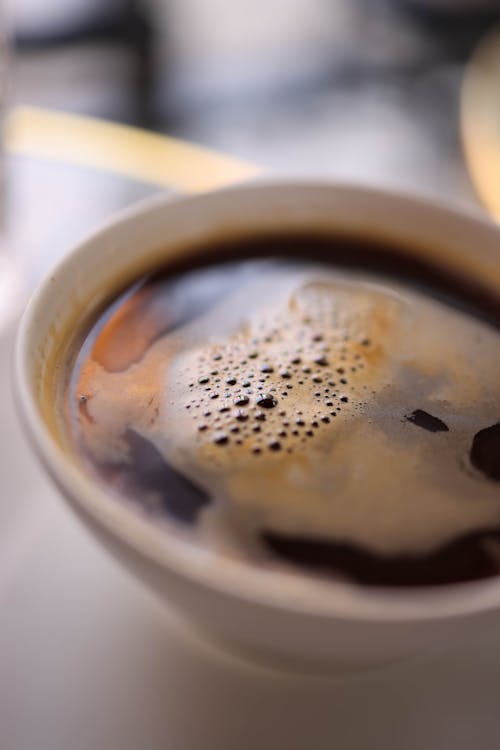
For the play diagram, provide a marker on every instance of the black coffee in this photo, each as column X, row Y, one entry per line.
column 311, row 401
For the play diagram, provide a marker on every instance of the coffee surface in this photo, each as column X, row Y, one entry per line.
column 291, row 412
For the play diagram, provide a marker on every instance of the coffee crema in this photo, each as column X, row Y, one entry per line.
column 278, row 407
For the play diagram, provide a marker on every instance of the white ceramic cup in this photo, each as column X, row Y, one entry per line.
column 275, row 616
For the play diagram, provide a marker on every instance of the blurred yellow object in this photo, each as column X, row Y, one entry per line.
column 121, row 149
column 480, row 120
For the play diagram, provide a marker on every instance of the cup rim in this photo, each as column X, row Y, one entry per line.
column 288, row 591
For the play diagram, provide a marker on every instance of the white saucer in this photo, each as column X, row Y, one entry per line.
column 89, row 660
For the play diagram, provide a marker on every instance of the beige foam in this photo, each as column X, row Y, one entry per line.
column 365, row 474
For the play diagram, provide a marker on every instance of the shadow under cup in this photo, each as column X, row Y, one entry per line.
column 275, row 616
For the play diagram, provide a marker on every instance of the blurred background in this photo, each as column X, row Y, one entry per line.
column 353, row 88
column 364, row 90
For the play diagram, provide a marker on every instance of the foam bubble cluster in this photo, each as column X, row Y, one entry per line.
column 305, row 408
column 289, row 373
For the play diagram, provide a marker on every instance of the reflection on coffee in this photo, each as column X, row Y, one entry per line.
column 283, row 409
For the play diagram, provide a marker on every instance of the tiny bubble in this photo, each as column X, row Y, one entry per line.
column 241, row 400
column 266, row 400
column 322, row 361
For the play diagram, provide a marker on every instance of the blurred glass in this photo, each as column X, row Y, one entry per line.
column 10, row 277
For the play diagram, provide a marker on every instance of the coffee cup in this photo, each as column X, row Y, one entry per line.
column 278, row 617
